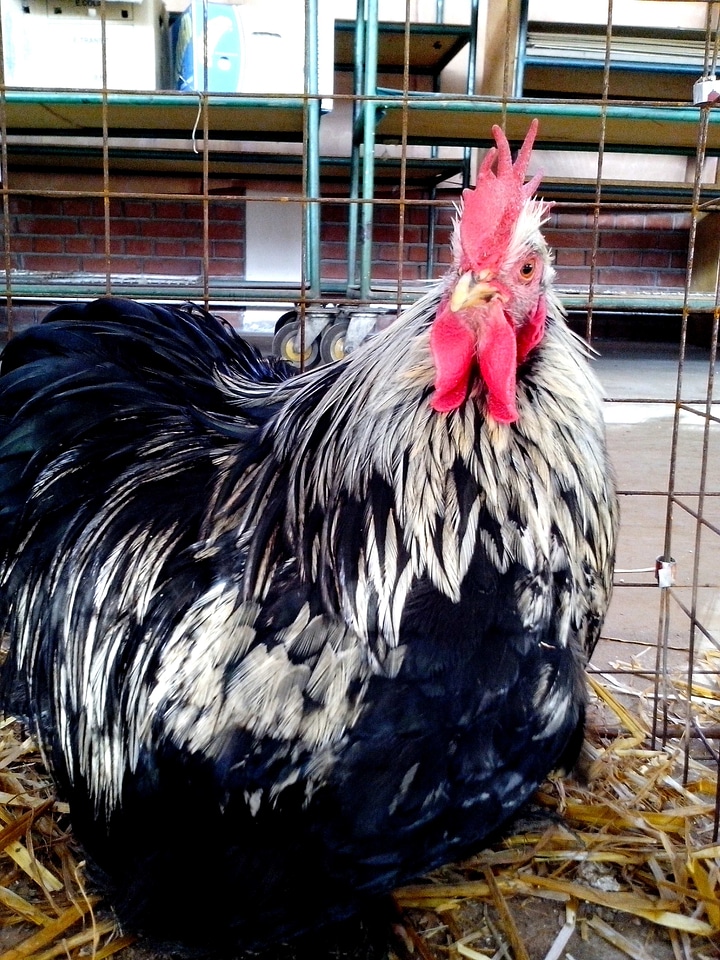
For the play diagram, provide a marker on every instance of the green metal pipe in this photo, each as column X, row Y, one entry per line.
column 358, row 87
column 368, row 159
column 170, row 99
column 312, row 137
column 460, row 103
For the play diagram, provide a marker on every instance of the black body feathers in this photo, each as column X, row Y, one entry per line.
column 347, row 631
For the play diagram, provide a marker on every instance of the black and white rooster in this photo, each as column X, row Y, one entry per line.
column 341, row 617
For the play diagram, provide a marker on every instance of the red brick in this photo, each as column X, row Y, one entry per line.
column 225, row 248
column 58, row 263
column 138, row 209
column 80, row 245
column 678, row 260
column 385, row 232
column 331, row 232
column 225, row 231
column 659, row 221
column 414, row 234
column 48, row 225
column 226, row 268
column 570, row 258
column 636, row 221
column 566, row 238
column 604, row 221
column 385, row 252
column 617, row 239
column 20, row 205
column 575, row 221
column 390, row 272
column 47, row 206
column 628, row 258
column 672, row 280
column 83, row 207
column 385, row 214
column 21, row 244
column 182, row 267
column 672, row 240
column 577, row 276
column 333, row 251
column 334, row 271
column 416, row 253
column 334, row 213
column 166, row 228
column 179, row 248
column 49, row 245
column 140, row 246
column 129, row 265
column 96, row 227
column 445, row 217
column 626, row 278
column 658, row 259
column 175, row 210
column 221, row 211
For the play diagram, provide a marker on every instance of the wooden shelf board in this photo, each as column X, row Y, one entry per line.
column 153, row 114
column 431, row 45
column 564, row 125
column 162, row 161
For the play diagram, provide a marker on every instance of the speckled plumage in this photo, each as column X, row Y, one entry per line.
column 346, row 630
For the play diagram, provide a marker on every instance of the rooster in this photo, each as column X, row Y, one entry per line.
column 337, row 621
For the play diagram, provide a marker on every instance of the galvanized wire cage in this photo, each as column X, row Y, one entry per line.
column 309, row 202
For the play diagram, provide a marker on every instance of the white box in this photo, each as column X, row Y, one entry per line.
column 252, row 48
column 58, row 43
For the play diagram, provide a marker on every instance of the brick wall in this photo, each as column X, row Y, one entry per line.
column 634, row 249
column 386, row 251
column 67, row 235
column 150, row 237
column 647, row 250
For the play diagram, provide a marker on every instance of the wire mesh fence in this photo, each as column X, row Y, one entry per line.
column 310, row 212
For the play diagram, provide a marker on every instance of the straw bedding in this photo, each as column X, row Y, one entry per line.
column 620, row 863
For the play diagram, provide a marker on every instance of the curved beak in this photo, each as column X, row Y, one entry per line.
column 472, row 290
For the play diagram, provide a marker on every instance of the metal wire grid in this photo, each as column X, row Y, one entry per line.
column 683, row 609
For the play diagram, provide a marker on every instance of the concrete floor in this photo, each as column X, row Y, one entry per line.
column 640, row 380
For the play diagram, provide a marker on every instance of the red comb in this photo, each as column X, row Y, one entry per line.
column 491, row 209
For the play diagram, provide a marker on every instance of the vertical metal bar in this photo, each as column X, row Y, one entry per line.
column 105, row 148
column 521, row 48
column 598, row 180
column 660, row 693
column 403, row 157
column 432, row 193
column 204, row 108
column 432, row 225
column 368, row 157
column 358, row 87
column 470, row 85
column 312, row 141
column 206, row 200
column 5, row 193
column 702, row 489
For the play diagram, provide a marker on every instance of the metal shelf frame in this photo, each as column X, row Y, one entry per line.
column 100, row 115
column 369, row 110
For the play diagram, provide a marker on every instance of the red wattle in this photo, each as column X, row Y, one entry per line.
column 453, row 351
column 532, row 332
column 498, row 363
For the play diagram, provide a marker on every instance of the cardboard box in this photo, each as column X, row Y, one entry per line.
column 58, row 43
column 251, row 48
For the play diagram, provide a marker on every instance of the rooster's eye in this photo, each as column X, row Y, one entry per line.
column 527, row 270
